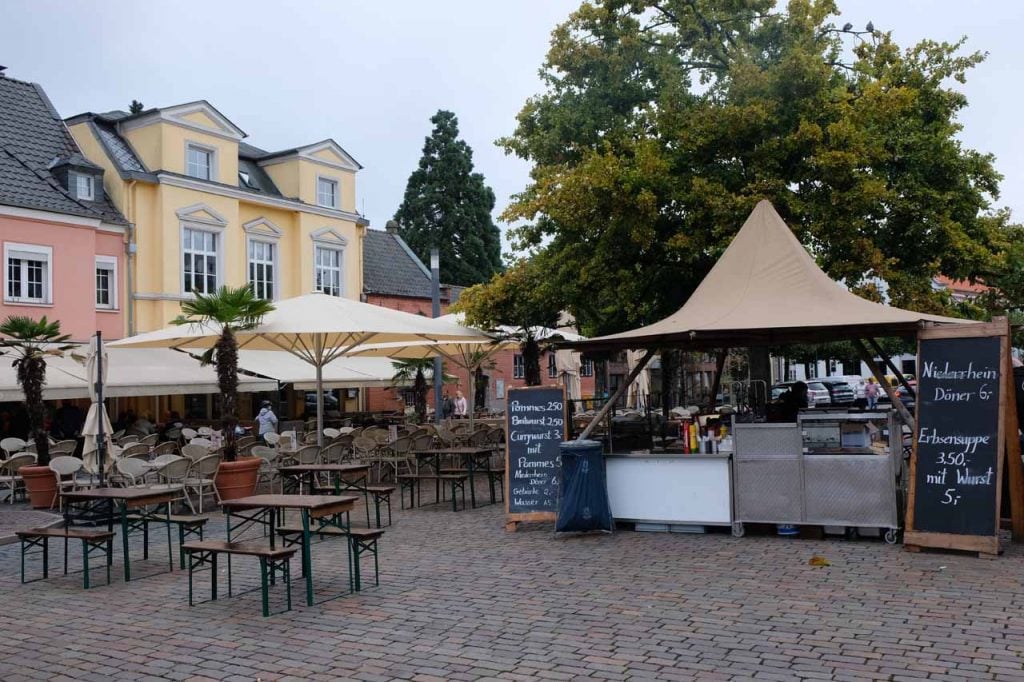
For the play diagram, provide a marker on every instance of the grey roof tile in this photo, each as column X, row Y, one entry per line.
column 121, row 152
column 390, row 267
column 32, row 138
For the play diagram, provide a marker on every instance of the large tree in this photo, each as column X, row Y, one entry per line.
column 448, row 206
column 663, row 122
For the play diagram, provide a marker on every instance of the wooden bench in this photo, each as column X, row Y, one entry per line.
column 361, row 541
column 381, row 493
column 273, row 560
column 189, row 527
column 411, row 482
column 93, row 541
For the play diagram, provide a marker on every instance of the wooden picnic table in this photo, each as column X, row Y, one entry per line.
column 351, row 476
column 264, row 510
column 101, row 503
column 470, row 455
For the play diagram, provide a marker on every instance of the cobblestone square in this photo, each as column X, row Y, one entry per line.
column 461, row 599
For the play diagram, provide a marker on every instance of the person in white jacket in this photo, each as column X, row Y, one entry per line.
column 266, row 420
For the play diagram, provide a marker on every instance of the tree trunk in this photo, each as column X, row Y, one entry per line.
column 531, row 361
column 32, row 376
column 482, row 381
column 227, row 380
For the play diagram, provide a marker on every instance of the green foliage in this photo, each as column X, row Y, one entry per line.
column 29, row 341
column 448, row 206
column 522, row 298
column 228, row 310
column 135, row 107
column 663, row 122
column 416, row 372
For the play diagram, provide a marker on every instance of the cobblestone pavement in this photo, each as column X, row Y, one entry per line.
column 19, row 517
column 462, row 599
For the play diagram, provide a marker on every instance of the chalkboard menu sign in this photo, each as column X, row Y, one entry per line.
column 956, row 470
column 535, row 427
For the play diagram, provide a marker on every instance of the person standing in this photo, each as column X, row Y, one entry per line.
column 460, row 405
column 447, row 406
column 266, row 420
column 871, row 393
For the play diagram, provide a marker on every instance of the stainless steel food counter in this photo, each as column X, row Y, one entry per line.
column 828, row 469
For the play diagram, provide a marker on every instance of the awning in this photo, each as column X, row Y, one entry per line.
column 345, row 372
column 131, row 372
column 766, row 289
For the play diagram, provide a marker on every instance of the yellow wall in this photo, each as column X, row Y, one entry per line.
column 147, row 144
column 286, row 176
column 308, row 173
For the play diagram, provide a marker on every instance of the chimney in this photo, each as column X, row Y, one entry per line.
column 391, row 227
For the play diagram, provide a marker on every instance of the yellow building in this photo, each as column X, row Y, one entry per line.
column 207, row 209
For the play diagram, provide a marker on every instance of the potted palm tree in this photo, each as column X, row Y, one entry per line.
column 29, row 341
column 229, row 309
column 416, row 372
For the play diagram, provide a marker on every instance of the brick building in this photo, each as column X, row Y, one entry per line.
column 394, row 277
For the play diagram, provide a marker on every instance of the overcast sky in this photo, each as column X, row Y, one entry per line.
column 371, row 74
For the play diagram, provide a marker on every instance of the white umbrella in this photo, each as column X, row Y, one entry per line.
column 318, row 329
column 568, row 364
column 97, row 458
column 640, row 389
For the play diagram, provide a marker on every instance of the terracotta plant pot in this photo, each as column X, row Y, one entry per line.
column 41, row 484
column 238, row 479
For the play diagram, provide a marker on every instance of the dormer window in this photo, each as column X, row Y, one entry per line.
column 85, row 186
column 327, row 192
column 198, row 161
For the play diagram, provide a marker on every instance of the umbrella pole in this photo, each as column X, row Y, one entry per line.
column 101, row 443
column 472, row 397
column 320, row 394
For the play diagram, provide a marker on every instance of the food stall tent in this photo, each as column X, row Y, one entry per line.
column 765, row 290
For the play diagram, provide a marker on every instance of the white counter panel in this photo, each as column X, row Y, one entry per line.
column 677, row 489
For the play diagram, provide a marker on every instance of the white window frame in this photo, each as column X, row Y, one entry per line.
column 212, row 151
column 337, row 191
column 44, row 253
column 274, row 263
column 108, row 263
column 586, row 368
column 552, row 366
column 518, row 366
column 340, row 250
column 90, row 183
column 217, row 233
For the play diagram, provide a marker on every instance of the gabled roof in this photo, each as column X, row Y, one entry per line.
column 33, row 139
column 310, row 151
column 390, row 268
column 766, row 289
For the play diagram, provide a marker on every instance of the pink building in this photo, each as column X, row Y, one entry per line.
column 62, row 241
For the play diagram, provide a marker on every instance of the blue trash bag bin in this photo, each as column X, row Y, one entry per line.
column 583, row 490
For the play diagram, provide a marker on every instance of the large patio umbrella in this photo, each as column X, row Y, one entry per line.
column 318, row 329
column 470, row 354
column 97, row 446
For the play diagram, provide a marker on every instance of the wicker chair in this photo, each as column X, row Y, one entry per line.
column 9, row 476
column 202, row 476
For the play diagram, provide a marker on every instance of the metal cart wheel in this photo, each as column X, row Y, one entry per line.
column 737, row 529
column 892, row 536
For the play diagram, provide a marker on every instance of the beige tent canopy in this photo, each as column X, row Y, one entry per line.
column 767, row 290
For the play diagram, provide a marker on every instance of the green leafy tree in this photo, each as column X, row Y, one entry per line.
column 449, row 207
column 136, row 107
column 663, row 122
column 29, row 342
column 417, row 372
column 523, row 299
column 228, row 310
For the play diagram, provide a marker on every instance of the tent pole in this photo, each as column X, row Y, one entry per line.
column 101, row 442
column 889, row 363
column 717, row 383
column 607, row 407
column 908, row 418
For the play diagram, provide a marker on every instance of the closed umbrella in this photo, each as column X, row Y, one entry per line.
column 97, row 447
column 318, row 329
column 640, row 389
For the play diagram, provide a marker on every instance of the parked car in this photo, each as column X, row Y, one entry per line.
column 855, row 382
column 908, row 399
column 817, row 394
column 839, row 391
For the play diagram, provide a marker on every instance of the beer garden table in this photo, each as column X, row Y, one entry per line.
column 264, row 510
column 100, row 504
column 344, row 477
column 471, row 457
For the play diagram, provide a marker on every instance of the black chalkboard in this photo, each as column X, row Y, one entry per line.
column 956, row 473
column 535, row 427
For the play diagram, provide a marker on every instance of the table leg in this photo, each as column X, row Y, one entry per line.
column 228, row 512
column 307, row 563
column 472, row 485
column 437, row 479
column 124, row 539
column 170, row 545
